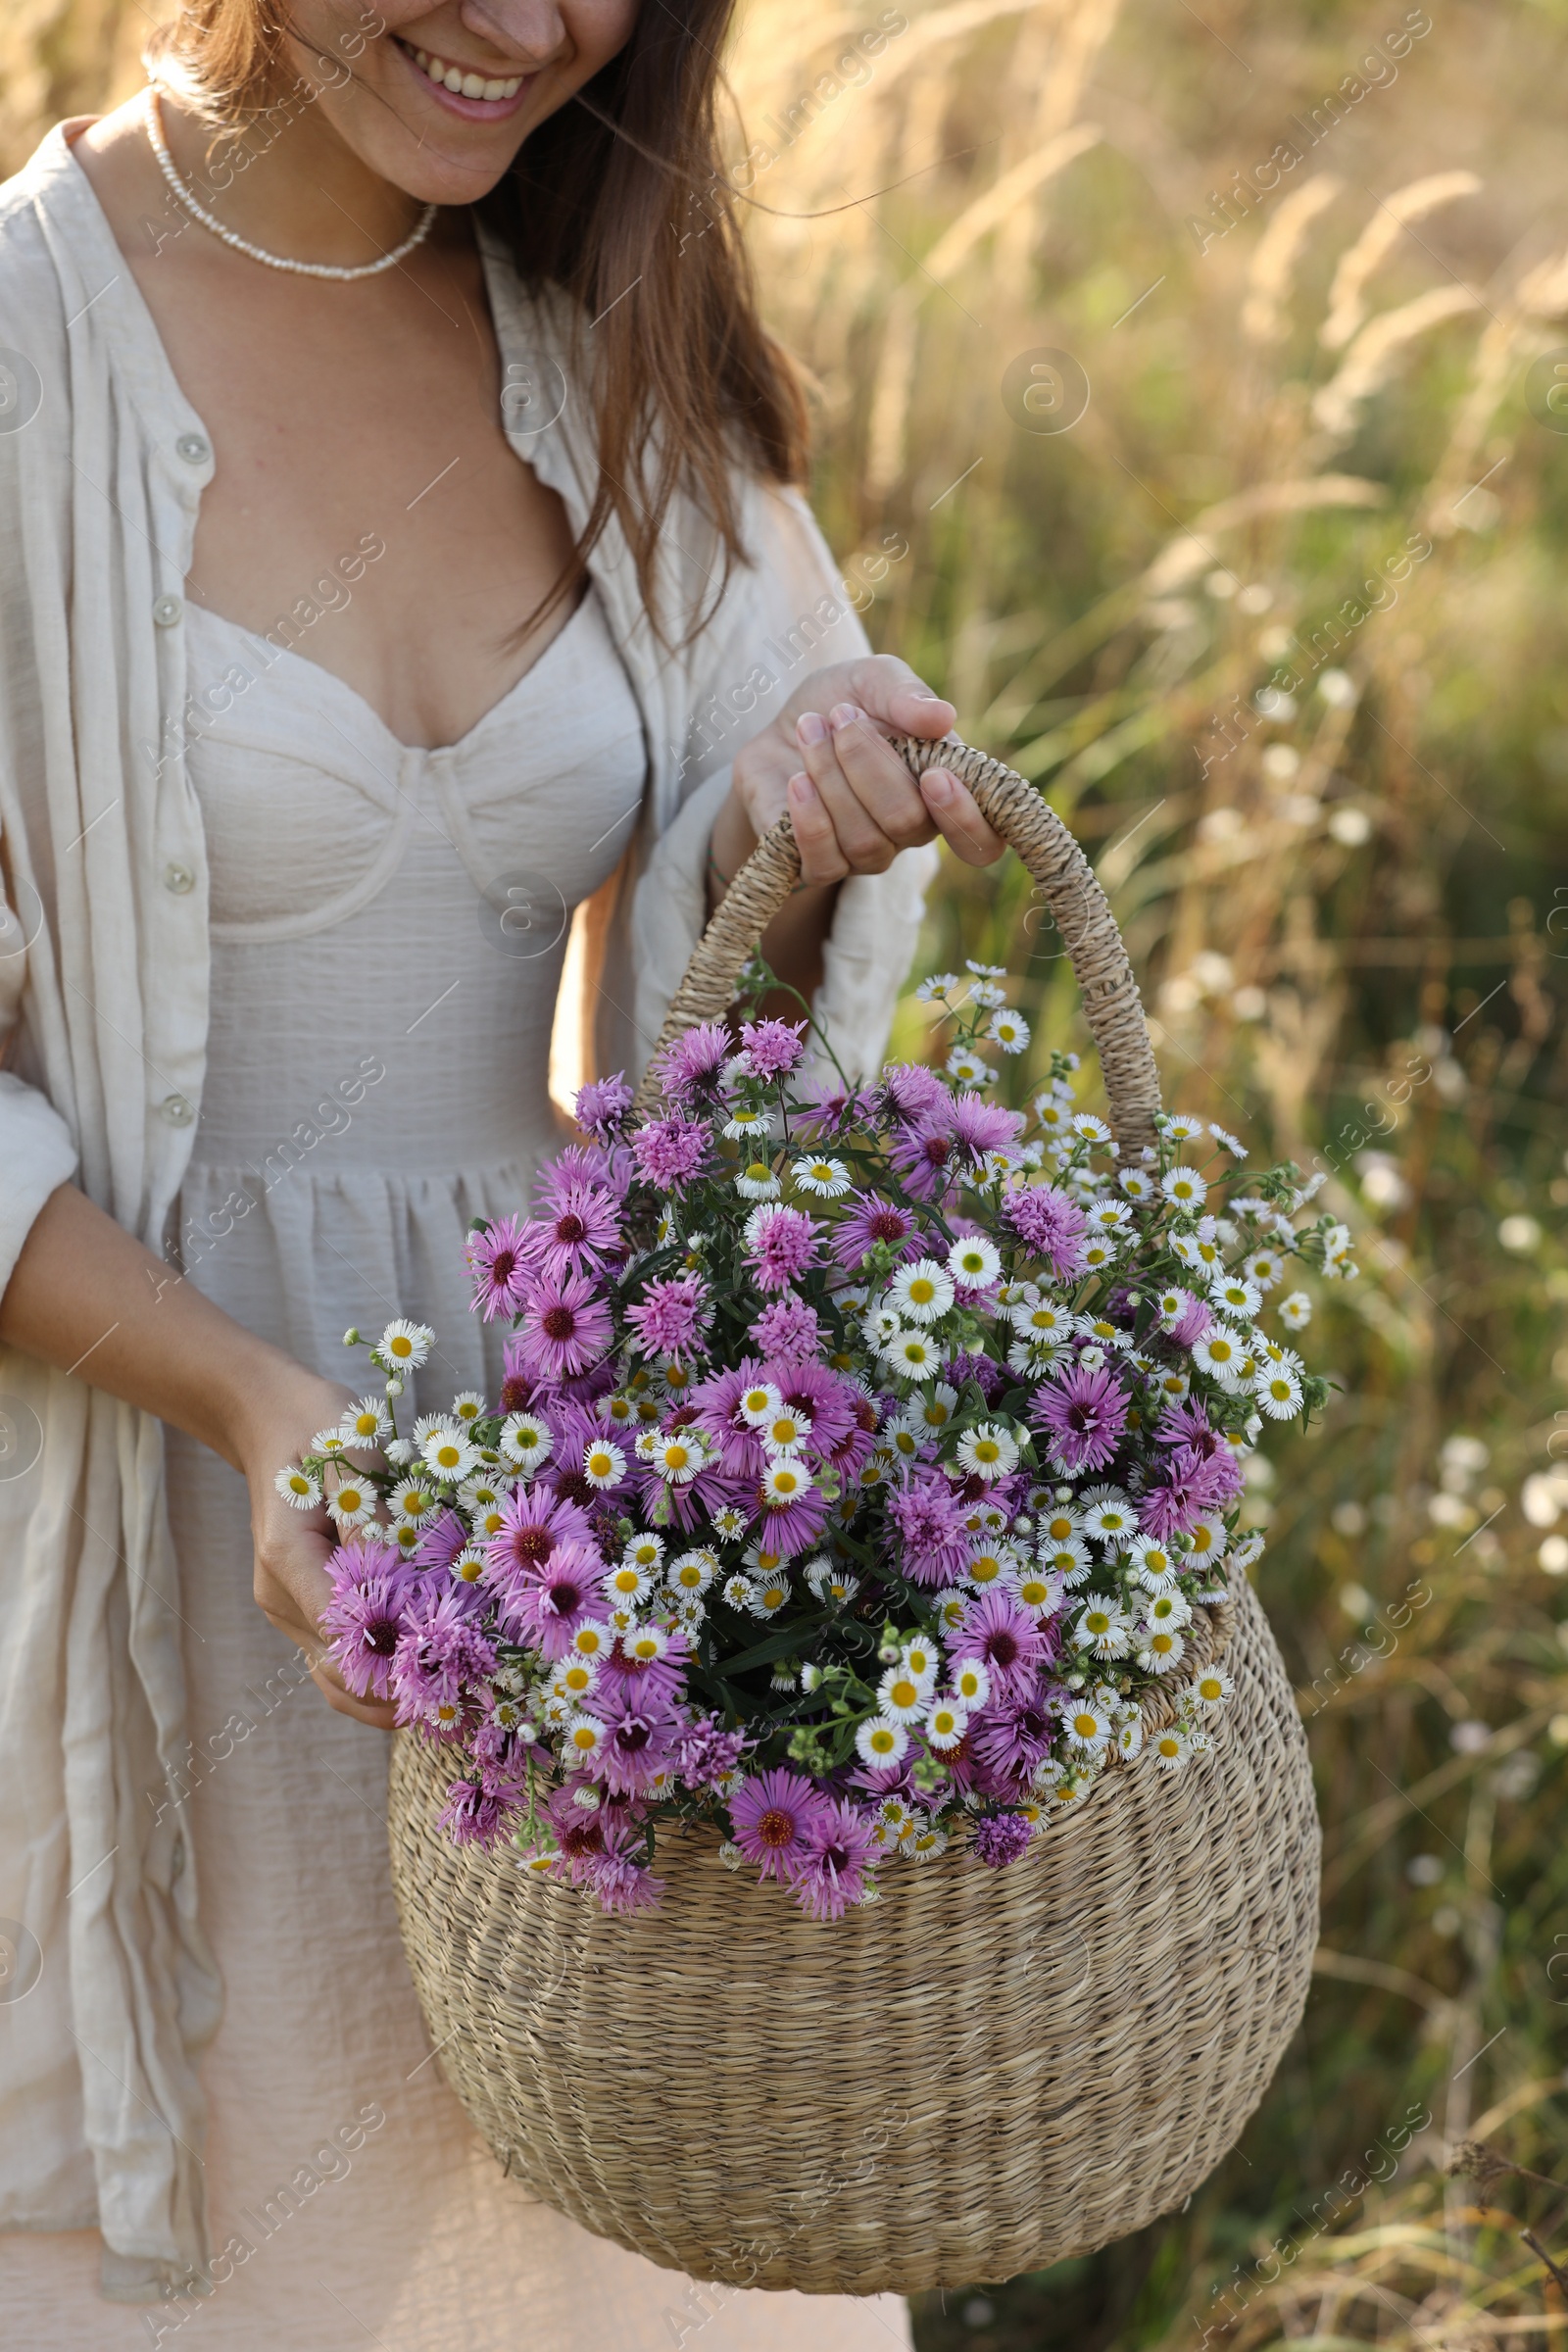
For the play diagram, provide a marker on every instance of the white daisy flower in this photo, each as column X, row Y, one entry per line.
column 1184, row 1186
column 899, row 1695
column 1219, row 1354
column 298, row 1489
column 990, row 1450
column 786, row 1431
column 1212, row 1688
column 987, row 996
column 1071, row 1561
column 1170, row 1747
column 1236, row 1150
column 912, row 1356
column 769, row 1594
column 1092, row 1130
column 678, row 1456
column 1180, row 1126
column 328, row 1442
column 1160, row 1647
column 1155, row 1565
column 974, row 1261
column 1110, row 1521
column 991, row 1565
column 1087, row 1726
column 737, row 1592
column 1052, row 1117
column 467, row 1406
column 468, row 1565
column 881, row 1742
column 1170, row 1608
column 728, row 1522
column 449, row 1453
column 525, row 1440
column 366, row 1423
column 1295, row 1311
column 1044, row 1319
column 1098, row 1253
column 786, row 1480
column 1172, row 1385
column 1107, row 1214
column 1205, row 1543
column 1264, row 1268
column 692, row 1572
column 923, row 1659
column 1060, row 1523
column 573, row 1678
column 967, row 1067
column 827, row 1179
column 626, row 1584
column 1278, row 1392
column 922, row 1291
column 645, row 1551
column 1129, row 1738
column 1040, row 1592
column 645, row 1643
column 585, row 1738
column 757, row 1182
column 603, row 1464
column 484, row 1491
column 747, row 1126
column 936, row 986
column 414, row 1499
column 1009, row 1030
column 971, row 1683
column 1136, row 1183
column 1234, row 1296
column 950, row 1605
column 404, row 1345
column 1103, row 1628
column 986, row 971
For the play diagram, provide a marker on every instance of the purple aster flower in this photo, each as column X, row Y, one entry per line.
column 612, row 1873
column 472, row 1814
column 831, row 1874
column 693, row 1064
column 832, row 1400
column 1193, row 1323
column 579, row 1233
column 783, row 1245
column 545, row 1609
column 1000, row 1632
column 718, row 1403
column 789, row 1327
column 1186, row 1423
column 602, row 1107
column 833, row 1114
column 871, row 1220
column 1196, row 1484
column 565, row 1326
column 914, row 1093
column 1013, row 1739
column 582, row 1163
column 707, row 1754
column 364, row 1617
column 655, row 1686
column 1084, row 1414
column 1000, row 1838
column 671, row 1318
column 533, row 1525
column 440, row 1655
column 641, row 1743
column 923, row 1154
column 498, row 1261
column 770, row 1817
column 1050, row 1225
column 670, row 1152
column 791, row 1525
column 772, row 1048
column 981, row 1126
column 934, row 1544
column 518, row 1385
column 441, row 1538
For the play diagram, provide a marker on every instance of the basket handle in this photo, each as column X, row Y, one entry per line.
column 1066, row 881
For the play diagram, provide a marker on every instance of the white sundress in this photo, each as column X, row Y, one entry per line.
column 388, row 928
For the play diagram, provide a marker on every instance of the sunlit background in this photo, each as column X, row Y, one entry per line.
column 1234, row 498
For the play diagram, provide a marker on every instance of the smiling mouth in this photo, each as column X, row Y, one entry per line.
column 463, row 81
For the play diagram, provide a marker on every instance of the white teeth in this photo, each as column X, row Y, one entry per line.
column 466, row 85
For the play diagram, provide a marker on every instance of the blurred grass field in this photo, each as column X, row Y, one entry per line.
column 1319, row 461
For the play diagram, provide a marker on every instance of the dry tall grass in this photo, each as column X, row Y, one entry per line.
column 1308, row 472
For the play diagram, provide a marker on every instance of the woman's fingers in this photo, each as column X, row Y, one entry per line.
column 891, row 692
column 821, row 858
column 954, row 813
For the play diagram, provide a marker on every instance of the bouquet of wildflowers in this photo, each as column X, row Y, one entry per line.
column 860, row 1466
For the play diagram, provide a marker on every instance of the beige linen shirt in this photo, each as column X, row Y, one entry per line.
column 103, row 1012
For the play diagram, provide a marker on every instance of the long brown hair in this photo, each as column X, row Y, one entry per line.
column 620, row 198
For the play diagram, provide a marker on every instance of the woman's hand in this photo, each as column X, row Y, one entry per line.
column 825, row 757
column 291, row 1585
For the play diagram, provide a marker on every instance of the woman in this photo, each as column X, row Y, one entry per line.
column 402, row 554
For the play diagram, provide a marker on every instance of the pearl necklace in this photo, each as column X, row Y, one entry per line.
column 256, row 252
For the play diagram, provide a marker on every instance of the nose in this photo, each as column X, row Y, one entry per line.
column 533, row 29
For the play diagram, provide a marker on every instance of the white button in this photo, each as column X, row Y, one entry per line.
column 167, row 609
column 177, row 1110
column 178, row 878
column 193, row 448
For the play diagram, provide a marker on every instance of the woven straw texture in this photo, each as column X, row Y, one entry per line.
column 984, row 2072
column 981, row 2073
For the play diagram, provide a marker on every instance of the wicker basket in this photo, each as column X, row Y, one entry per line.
column 985, row 2072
